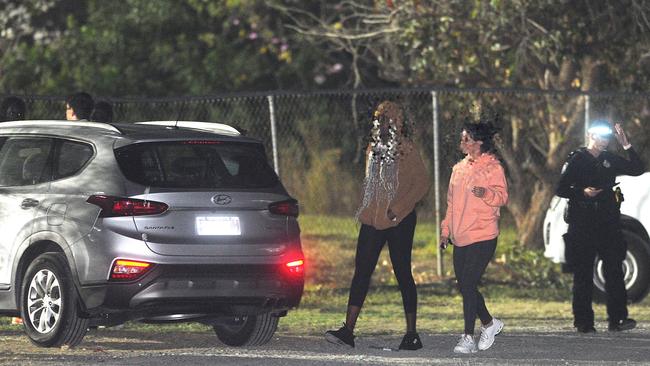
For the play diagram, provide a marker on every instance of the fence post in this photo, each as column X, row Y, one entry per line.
column 587, row 107
column 274, row 140
column 436, row 179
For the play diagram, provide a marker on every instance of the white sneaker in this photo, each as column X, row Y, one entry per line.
column 487, row 334
column 466, row 344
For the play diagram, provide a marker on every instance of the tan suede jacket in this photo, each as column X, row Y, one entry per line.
column 413, row 185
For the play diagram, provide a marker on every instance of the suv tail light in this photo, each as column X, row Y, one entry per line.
column 118, row 206
column 128, row 270
column 296, row 267
column 285, row 208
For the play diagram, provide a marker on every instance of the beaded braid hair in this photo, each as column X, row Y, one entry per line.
column 382, row 166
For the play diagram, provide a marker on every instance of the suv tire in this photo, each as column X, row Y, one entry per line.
column 48, row 278
column 636, row 267
column 251, row 330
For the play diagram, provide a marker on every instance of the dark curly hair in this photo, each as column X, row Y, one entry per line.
column 483, row 131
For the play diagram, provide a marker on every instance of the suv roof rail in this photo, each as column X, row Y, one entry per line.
column 213, row 127
column 56, row 123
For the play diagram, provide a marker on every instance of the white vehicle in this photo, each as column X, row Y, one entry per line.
column 635, row 217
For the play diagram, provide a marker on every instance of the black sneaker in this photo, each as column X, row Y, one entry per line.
column 586, row 329
column 621, row 325
column 342, row 337
column 411, row 341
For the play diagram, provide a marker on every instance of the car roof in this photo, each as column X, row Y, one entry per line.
column 218, row 128
column 127, row 132
column 46, row 126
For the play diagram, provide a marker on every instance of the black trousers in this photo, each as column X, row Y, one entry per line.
column 585, row 243
column 470, row 263
column 400, row 245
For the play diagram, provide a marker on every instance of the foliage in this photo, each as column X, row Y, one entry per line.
column 324, row 179
column 481, row 43
column 139, row 47
column 568, row 45
column 523, row 267
column 521, row 42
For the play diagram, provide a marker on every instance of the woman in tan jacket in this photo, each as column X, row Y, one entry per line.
column 395, row 181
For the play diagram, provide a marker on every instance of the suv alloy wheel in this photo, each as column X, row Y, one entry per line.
column 49, row 302
column 251, row 330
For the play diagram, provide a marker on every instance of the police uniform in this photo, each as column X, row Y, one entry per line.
column 595, row 229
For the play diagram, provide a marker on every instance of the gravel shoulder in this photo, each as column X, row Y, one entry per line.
column 119, row 347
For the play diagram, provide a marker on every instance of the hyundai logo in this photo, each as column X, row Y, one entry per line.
column 222, row 199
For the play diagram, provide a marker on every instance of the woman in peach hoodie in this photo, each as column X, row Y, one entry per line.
column 477, row 190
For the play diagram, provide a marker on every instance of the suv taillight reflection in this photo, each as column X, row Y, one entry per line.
column 119, row 206
column 286, row 208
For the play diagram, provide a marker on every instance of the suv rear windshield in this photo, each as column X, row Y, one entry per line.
column 196, row 164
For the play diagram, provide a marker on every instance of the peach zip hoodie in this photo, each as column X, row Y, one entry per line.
column 470, row 219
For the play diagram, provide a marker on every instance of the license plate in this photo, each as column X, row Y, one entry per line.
column 218, row 225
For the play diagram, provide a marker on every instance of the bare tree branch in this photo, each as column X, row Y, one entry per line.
column 350, row 37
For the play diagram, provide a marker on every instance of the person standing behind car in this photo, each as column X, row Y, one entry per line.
column 396, row 180
column 79, row 106
column 587, row 180
column 12, row 109
column 477, row 189
column 103, row 112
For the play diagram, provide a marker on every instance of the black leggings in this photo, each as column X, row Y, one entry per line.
column 469, row 265
column 400, row 244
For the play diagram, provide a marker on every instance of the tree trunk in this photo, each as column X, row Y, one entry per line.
column 533, row 182
column 529, row 212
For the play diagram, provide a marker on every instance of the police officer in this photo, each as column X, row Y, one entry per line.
column 588, row 180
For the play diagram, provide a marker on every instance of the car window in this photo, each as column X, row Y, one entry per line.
column 24, row 160
column 71, row 157
column 196, row 164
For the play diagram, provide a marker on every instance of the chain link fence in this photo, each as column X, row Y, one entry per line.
column 316, row 140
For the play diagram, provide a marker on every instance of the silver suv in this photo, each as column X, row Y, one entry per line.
column 156, row 221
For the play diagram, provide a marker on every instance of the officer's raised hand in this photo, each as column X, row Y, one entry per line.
column 620, row 135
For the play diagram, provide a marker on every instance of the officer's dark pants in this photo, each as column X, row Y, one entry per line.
column 606, row 241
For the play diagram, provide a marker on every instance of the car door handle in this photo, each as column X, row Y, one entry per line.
column 28, row 203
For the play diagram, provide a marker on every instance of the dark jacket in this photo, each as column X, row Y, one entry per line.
column 584, row 170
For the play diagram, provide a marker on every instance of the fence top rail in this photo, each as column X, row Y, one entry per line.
column 396, row 90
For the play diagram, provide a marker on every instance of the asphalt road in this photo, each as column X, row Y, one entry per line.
column 123, row 347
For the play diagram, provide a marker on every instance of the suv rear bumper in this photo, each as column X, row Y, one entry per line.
column 197, row 289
